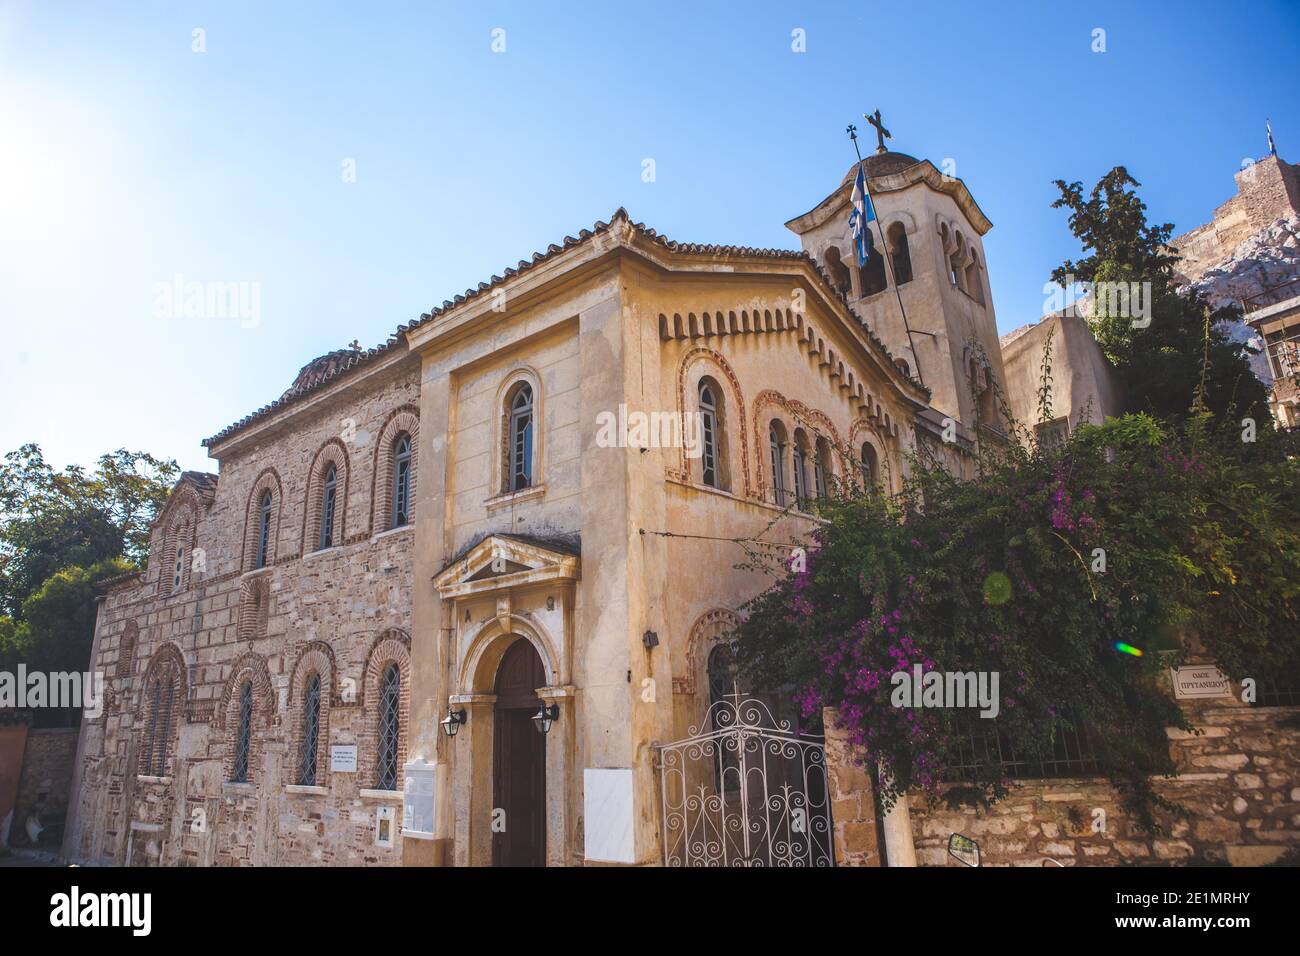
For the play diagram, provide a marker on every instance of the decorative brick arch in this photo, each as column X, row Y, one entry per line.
column 392, row 646
column 177, row 527
column 795, row 414
column 405, row 419
column 250, row 668
column 736, row 427
column 316, row 657
column 333, row 452
column 162, row 702
column 268, row 480
column 127, row 643
column 707, row 630
column 254, row 606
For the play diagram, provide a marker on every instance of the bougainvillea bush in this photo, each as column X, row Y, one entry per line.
column 1074, row 572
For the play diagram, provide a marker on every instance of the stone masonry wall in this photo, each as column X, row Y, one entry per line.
column 46, row 779
column 348, row 607
column 1239, row 781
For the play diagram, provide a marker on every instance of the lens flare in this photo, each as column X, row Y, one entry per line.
column 1128, row 649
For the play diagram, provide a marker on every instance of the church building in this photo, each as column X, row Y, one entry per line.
column 448, row 598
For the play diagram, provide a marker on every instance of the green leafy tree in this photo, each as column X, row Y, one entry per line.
column 1160, row 364
column 51, row 520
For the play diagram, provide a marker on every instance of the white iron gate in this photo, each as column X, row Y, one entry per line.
column 744, row 790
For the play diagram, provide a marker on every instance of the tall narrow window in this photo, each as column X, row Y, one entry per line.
column 389, row 699
column 151, row 739
column 870, row 468
column 521, row 439
column 776, row 439
column 401, row 480
column 264, row 530
column 310, row 732
column 179, row 567
column 900, row 256
column 873, row 274
column 800, row 468
column 165, row 729
column 821, row 466
column 709, row 428
column 328, row 498
column 243, row 734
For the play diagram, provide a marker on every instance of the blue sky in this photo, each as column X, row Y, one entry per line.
column 127, row 159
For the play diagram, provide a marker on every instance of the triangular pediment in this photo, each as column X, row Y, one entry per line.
column 504, row 561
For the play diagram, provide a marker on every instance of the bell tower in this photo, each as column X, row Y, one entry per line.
column 924, row 288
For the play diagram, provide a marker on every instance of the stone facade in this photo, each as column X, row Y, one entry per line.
column 342, row 612
column 609, row 569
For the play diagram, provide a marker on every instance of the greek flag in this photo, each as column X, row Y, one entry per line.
column 860, row 217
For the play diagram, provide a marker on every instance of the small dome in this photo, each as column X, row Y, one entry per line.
column 881, row 164
column 319, row 369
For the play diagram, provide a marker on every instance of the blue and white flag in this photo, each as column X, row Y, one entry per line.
column 860, row 218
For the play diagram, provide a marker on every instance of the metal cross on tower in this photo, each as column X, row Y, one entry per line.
column 882, row 134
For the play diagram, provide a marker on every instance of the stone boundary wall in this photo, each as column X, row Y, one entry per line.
column 1239, row 781
column 46, row 780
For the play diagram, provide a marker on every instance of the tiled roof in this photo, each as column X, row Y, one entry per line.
column 205, row 483
column 329, row 367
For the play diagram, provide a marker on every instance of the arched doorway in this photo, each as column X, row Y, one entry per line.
column 519, row 760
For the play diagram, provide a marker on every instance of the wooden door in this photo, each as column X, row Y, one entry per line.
column 519, row 761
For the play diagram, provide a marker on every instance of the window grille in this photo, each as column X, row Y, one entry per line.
column 310, row 732
column 1073, row 755
column 327, row 508
column 389, row 693
column 401, row 481
column 264, row 530
column 244, row 734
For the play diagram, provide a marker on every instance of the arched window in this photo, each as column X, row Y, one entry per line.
column 900, row 256
column 873, row 274
column 902, row 366
column 956, row 263
column 838, row 271
column 822, row 467
column 722, row 683
column 800, row 468
column 310, row 733
column 870, row 465
column 776, row 441
column 710, row 426
column 328, row 498
column 401, row 480
column 389, row 708
column 157, row 746
column 243, row 734
column 974, row 286
column 520, row 470
column 263, row 530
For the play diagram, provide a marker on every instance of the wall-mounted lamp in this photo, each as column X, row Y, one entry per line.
column 650, row 639
column 546, row 715
column 451, row 723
